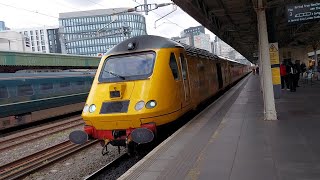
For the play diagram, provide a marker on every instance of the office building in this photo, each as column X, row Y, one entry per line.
column 14, row 41
column 96, row 31
column 54, row 40
column 184, row 40
column 2, row 26
column 202, row 41
column 192, row 31
column 43, row 39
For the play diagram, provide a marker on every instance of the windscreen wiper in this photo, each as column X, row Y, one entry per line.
column 114, row 74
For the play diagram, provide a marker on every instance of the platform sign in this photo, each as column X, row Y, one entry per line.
column 303, row 12
column 274, row 53
column 275, row 69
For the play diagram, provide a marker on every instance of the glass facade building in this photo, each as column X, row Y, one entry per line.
column 54, row 40
column 2, row 26
column 96, row 31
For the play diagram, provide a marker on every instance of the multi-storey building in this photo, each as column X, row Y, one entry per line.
column 54, row 40
column 223, row 49
column 14, row 41
column 2, row 26
column 43, row 39
column 96, row 31
column 193, row 31
column 202, row 41
column 184, row 40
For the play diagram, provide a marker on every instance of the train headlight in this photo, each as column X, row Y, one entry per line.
column 86, row 108
column 151, row 104
column 139, row 105
column 92, row 108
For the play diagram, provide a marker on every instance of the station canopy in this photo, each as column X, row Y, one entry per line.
column 291, row 23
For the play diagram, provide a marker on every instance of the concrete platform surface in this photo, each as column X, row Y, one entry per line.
column 230, row 140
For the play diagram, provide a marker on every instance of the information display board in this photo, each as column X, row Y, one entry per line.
column 303, row 12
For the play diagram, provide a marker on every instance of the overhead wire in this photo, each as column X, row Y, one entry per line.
column 162, row 16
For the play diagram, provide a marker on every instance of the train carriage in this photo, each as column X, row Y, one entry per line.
column 148, row 81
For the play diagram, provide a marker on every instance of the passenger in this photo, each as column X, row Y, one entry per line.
column 303, row 67
column 254, row 71
column 296, row 73
column 283, row 74
column 257, row 70
column 289, row 69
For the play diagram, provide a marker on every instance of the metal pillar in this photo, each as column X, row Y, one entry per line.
column 260, row 63
column 260, row 69
column 146, row 7
column 269, row 104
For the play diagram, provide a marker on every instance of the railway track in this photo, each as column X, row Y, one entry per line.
column 26, row 165
column 36, row 133
column 109, row 167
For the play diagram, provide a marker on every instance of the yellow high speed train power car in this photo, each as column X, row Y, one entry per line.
column 148, row 81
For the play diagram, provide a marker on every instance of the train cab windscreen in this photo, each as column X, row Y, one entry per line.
column 127, row 67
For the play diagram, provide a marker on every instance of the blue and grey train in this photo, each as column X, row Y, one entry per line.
column 29, row 97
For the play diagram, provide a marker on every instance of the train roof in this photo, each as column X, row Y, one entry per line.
column 144, row 42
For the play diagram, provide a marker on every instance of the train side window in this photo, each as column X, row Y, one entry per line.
column 78, row 83
column 174, row 66
column 64, row 85
column 3, row 92
column 184, row 67
column 46, row 87
column 24, row 90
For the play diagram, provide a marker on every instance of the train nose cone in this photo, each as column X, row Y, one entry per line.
column 142, row 135
column 78, row 137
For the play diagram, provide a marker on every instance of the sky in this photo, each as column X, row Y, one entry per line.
column 19, row 14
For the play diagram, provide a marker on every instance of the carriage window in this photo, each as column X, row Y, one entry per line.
column 79, row 83
column 25, row 90
column 174, row 66
column 46, row 87
column 183, row 66
column 64, row 85
column 3, row 92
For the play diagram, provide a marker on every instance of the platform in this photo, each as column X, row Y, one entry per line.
column 230, row 140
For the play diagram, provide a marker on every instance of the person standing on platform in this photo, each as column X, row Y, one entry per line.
column 303, row 68
column 257, row 70
column 289, row 69
column 283, row 74
column 297, row 73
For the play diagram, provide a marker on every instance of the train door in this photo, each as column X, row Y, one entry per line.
column 185, row 80
column 219, row 74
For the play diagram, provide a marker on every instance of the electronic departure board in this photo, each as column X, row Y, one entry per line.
column 303, row 12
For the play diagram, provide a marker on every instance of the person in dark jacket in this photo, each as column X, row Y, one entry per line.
column 289, row 69
column 303, row 67
column 257, row 70
column 283, row 74
column 297, row 71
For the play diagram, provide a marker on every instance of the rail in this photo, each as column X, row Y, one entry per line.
column 14, row 140
column 26, row 165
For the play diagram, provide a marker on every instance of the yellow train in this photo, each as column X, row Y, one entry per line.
column 148, row 81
